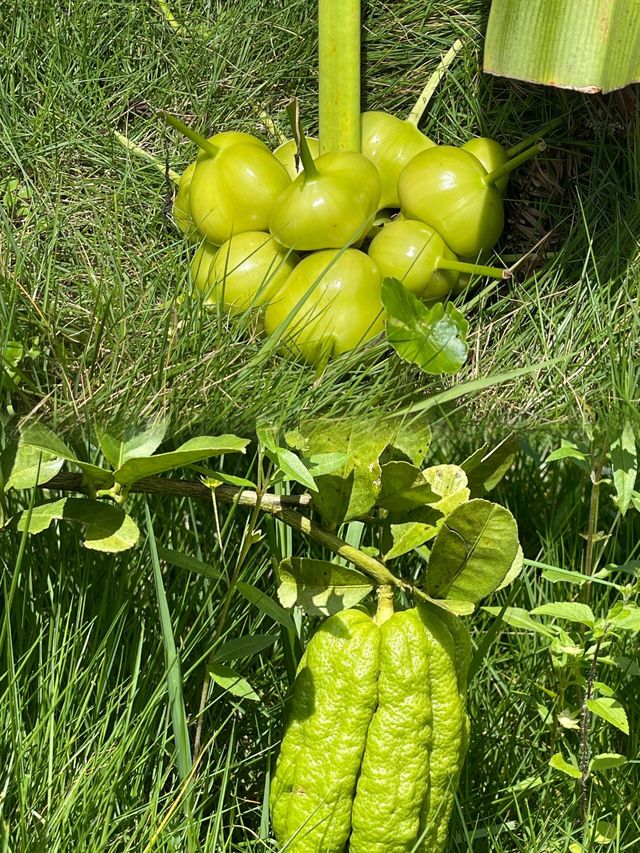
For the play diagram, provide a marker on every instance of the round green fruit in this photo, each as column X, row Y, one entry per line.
column 331, row 301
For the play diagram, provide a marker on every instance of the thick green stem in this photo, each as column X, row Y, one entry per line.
column 529, row 140
column 308, row 165
column 191, row 134
column 339, row 75
column 384, row 609
column 433, row 82
column 472, row 269
column 510, row 165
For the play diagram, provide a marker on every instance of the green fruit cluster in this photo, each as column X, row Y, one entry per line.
column 376, row 735
column 302, row 233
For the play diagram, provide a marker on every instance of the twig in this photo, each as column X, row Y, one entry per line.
column 584, row 736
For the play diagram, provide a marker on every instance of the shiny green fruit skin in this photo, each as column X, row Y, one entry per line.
column 227, row 138
column 181, row 209
column 235, row 191
column 202, row 265
column 491, row 154
column 287, row 154
column 446, row 188
column 390, row 143
column 409, row 251
column 247, row 270
column 330, row 210
column 343, row 307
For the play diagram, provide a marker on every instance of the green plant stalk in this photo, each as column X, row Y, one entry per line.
column 534, row 137
column 473, row 269
column 510, row 165
column 433, row 82
column 190, row 133
column 339, row 75
column 308, row 164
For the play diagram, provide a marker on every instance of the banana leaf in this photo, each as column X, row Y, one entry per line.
column 588, row 45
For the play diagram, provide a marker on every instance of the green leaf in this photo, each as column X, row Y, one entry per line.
column 294, row 468
column 627, row 618
column 138, row 445
column 485, row 469
column 606, row 761
column 588, row 45
column 555, row 575
column 449, row 482
column 458, row 608
column 107, row 527
column 559, row 762
column 319, row 587
column 517, row 617
column 326, row 463
column 473, row 552
column 30, row 467
column 243, row 647
column 195, row 450
column 37, row 435
column 570, row 610
column 184, row 561
column 516, row 569
column 229, row 680
column 568, row 450
column 409, row 535
column 433, row 338
column 403, row 487
column 625, row 466
column 353, row 489
column 410, row 442
column 266, row 604
column 611, row 711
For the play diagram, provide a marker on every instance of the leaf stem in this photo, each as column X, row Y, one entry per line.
column 339, row 74
column 308, row 164
column 190, row 133
column 534, row 137
column 472, row 269
column 508, row 167
column 384, row 609
column 433, row 82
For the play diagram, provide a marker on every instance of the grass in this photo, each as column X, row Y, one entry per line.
column 94, row 280
column 94, row 284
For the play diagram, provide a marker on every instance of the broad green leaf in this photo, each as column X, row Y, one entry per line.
column 567, row 450
column 243, row 647
column 570, row 610
column 185, row 561
column 458, row 608
column 106, row 527
column 326, row 463
column 409, row 535
column 138, row 445
column 627, row 618
column 515, row 570
column 266, row 604
column 39, row 436
column 352, row 490
column 216, row 477
column 195, row 450
column 611, row 711
column 606, row 832
column 473, row 552
column 559, row 762
column 625, row 466
column 484, row 473
column 433, row 338
column 410, row 442
column 319, row 587
column 294, row 468
column 403, row 487
column 606, row 761
column 232, row 682
column 589, row 45
column 450, row 483
column 30, row 467
column 517, row 617
column 268, row 436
